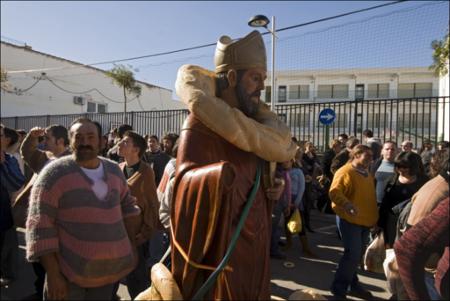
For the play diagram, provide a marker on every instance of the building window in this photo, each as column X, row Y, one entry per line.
column 378, row 90
column 423, row 90
column 282, row 94
column 359, row 92
column 415, row 90
column 298, row 92
column 341, row 120
column 268, row 93
column 377, row 120
column 93, row 107
column 101, row 108
column 332, row 91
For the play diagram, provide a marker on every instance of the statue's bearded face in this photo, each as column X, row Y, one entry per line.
column 248, row 90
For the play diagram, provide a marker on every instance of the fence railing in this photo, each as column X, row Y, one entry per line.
column 412, row 119
column 146, row 122
column 398, row 119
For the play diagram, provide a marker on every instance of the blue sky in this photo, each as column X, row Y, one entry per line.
column 89, row 32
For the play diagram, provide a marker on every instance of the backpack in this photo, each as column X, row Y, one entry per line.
column 402, row 222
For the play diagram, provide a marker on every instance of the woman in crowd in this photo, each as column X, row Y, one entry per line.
column 311, row 166
column 282, row 207
column 353, row 198
column 297, row 193
column 409, row 176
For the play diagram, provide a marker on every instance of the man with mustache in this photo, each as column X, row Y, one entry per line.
column 228, row 134
column 56, row 145
column 81, row 221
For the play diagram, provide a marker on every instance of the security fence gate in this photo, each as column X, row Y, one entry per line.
column 412, row 119
column 146, row 122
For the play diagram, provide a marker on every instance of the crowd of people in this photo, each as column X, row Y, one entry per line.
column 369, row 185
column 367, row 195
column 100, row 209
column 110, row 205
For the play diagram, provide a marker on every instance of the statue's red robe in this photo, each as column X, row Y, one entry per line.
column 213, row 181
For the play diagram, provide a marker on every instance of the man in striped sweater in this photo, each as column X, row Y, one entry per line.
column 82, row 221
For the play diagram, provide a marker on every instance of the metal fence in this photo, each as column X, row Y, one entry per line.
column 414, row 119
column 147, row 122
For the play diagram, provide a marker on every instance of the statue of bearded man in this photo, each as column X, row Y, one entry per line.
column 229, row 133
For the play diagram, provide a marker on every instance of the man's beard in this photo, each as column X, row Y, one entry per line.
column 246, row 105
column 85, row 153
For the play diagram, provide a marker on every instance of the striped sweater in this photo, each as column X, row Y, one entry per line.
column 87, row 234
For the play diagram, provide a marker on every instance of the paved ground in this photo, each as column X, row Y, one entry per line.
column 315, row 274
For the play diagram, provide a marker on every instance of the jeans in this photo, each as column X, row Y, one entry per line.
column 9, row 254
column 157, row 247
column 40, row 272
column 139, row 279
column 354, row 238
column 432, row 291
column 276, row 231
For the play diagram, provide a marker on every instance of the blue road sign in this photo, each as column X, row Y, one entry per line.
column 327, row 116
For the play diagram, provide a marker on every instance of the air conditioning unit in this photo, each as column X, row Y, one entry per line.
column 78, row 100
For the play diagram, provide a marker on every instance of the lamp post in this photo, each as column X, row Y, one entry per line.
column 263, row 21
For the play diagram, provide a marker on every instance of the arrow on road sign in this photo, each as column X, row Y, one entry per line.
column 327, row 117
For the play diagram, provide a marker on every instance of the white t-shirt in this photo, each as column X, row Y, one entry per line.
column 96, row 175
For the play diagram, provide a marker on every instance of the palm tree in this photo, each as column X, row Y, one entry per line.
column 440, row 55
column 123, row 77
column 4, row 79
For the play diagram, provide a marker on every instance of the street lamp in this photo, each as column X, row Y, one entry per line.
column 263, row 21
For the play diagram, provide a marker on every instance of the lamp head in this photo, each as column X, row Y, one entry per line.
column 258, row 21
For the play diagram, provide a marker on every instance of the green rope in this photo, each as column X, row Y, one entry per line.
column 212, row 278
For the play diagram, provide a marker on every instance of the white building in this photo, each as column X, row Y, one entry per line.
column 43, row 84
column 393, row 102
column 351, row 84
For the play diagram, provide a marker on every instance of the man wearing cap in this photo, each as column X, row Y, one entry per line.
column 228, row 134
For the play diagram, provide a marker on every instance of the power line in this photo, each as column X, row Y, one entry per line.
column 363, row 20
column 19, row 91
column 87, row 91
column 277, row 30
column 140, row 104
column 338, row 16
column 213, row 44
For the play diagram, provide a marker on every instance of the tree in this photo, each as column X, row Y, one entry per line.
column 4, row 80
column 440, row 55
column 4, row 75
column 123, row 77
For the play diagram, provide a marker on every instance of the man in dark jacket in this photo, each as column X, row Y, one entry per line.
column 156, row 158
column 11, row 180
column 344, row 155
